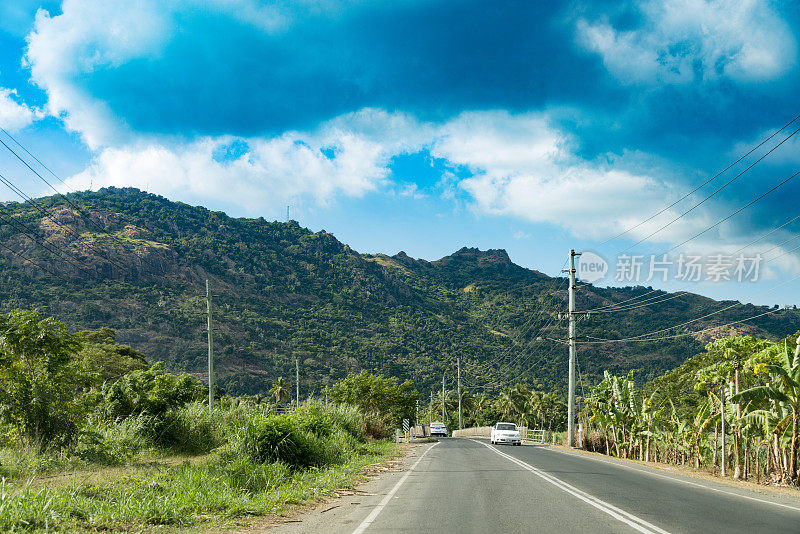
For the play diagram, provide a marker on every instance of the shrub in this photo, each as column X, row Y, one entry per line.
column 149, row 391
column 190, row 430
column 314, row 418
column 93, row 447
column 278, row 438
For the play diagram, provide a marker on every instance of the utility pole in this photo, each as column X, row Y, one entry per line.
column 442, row 397
column 430, row 410
column 571, row 399
column 297, row 379
column 210, row 352
column 460, row 419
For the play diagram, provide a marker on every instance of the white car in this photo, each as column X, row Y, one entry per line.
column 438, row 429
column 506, row 433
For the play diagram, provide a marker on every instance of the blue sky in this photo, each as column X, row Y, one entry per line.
column 427, row 126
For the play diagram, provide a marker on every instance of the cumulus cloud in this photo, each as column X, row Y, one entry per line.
column 15, row 115
column 681, row 41
column 267, row 174
column 291, row 100
column 517, row 165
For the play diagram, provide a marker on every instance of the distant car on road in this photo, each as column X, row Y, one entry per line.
column 506, row 433
column 438, row 429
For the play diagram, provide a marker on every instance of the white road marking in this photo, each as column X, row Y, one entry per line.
column 621, row 515
column 652, row 471
column 374, row 513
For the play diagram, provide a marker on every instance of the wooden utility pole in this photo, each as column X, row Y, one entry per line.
column 210, row 352
column 460, row 418
column 297, row 379
column 442, row 397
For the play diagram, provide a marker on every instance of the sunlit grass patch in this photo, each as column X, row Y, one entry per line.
column 215, row 492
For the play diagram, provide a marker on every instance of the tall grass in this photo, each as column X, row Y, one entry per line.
column 259, row 465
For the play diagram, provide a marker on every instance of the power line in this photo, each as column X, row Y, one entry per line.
column 22, row 227
column 687, row 195
column 604, row 341
column 767, row 234
column 33, row 262
column 83, row 215
column 704, row 316
column 737, row 211
column 50, row 216
column 729, row 182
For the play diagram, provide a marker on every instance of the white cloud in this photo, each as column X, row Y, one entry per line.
column 272, row 172
column 520, row 166
column 15, row 115
column 684, row 40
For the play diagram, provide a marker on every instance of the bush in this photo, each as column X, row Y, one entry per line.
column 278, row 438
column 314, row 418
column 93, row 447
column 190, row 430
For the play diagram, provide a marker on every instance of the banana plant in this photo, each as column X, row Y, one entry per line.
column 784, row 390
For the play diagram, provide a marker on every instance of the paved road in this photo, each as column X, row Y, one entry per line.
column 462, row 485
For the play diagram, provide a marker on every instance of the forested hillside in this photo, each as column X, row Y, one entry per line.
column 137, row 263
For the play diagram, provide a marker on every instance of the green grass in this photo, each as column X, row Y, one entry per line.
column 216, row 493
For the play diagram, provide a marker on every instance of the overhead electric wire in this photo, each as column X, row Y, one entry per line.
column 482, row 367
column 54, row 175
column 729, row 182
column 766, row 235
column 773, row 188
column 643, row 303
column 33, row 262
column 50, row 216
column 83, row 215
column 687, row 195
column 633, row 340
column 24, row 229
column 639, row 337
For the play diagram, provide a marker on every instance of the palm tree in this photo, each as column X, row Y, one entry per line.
column 281, row 389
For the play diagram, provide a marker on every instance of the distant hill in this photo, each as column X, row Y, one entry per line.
column 138, row 262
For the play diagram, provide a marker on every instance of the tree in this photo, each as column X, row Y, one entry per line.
column 375, row 394
column 42, row 382
column 281, row 390
column 150, row 392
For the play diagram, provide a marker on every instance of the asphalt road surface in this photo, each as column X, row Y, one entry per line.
column 464, row 485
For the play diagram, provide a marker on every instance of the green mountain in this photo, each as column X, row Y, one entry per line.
column 137, row 263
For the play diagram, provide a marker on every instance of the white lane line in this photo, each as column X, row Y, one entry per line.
column 374, row 513
column 621, row 515
column 651, row 471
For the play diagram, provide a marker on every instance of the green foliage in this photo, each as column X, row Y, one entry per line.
column 42, row 382
column 281, row 390
column 283, row 292
column 306, row 438
column 111, row 358
column 376, row 395
column 745, row 389
column 149, row 392
column 177, row 497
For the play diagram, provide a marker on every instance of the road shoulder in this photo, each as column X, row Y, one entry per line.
column 343, row 511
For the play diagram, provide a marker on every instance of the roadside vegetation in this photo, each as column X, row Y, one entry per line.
column 73, row 405
column 733, row 409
